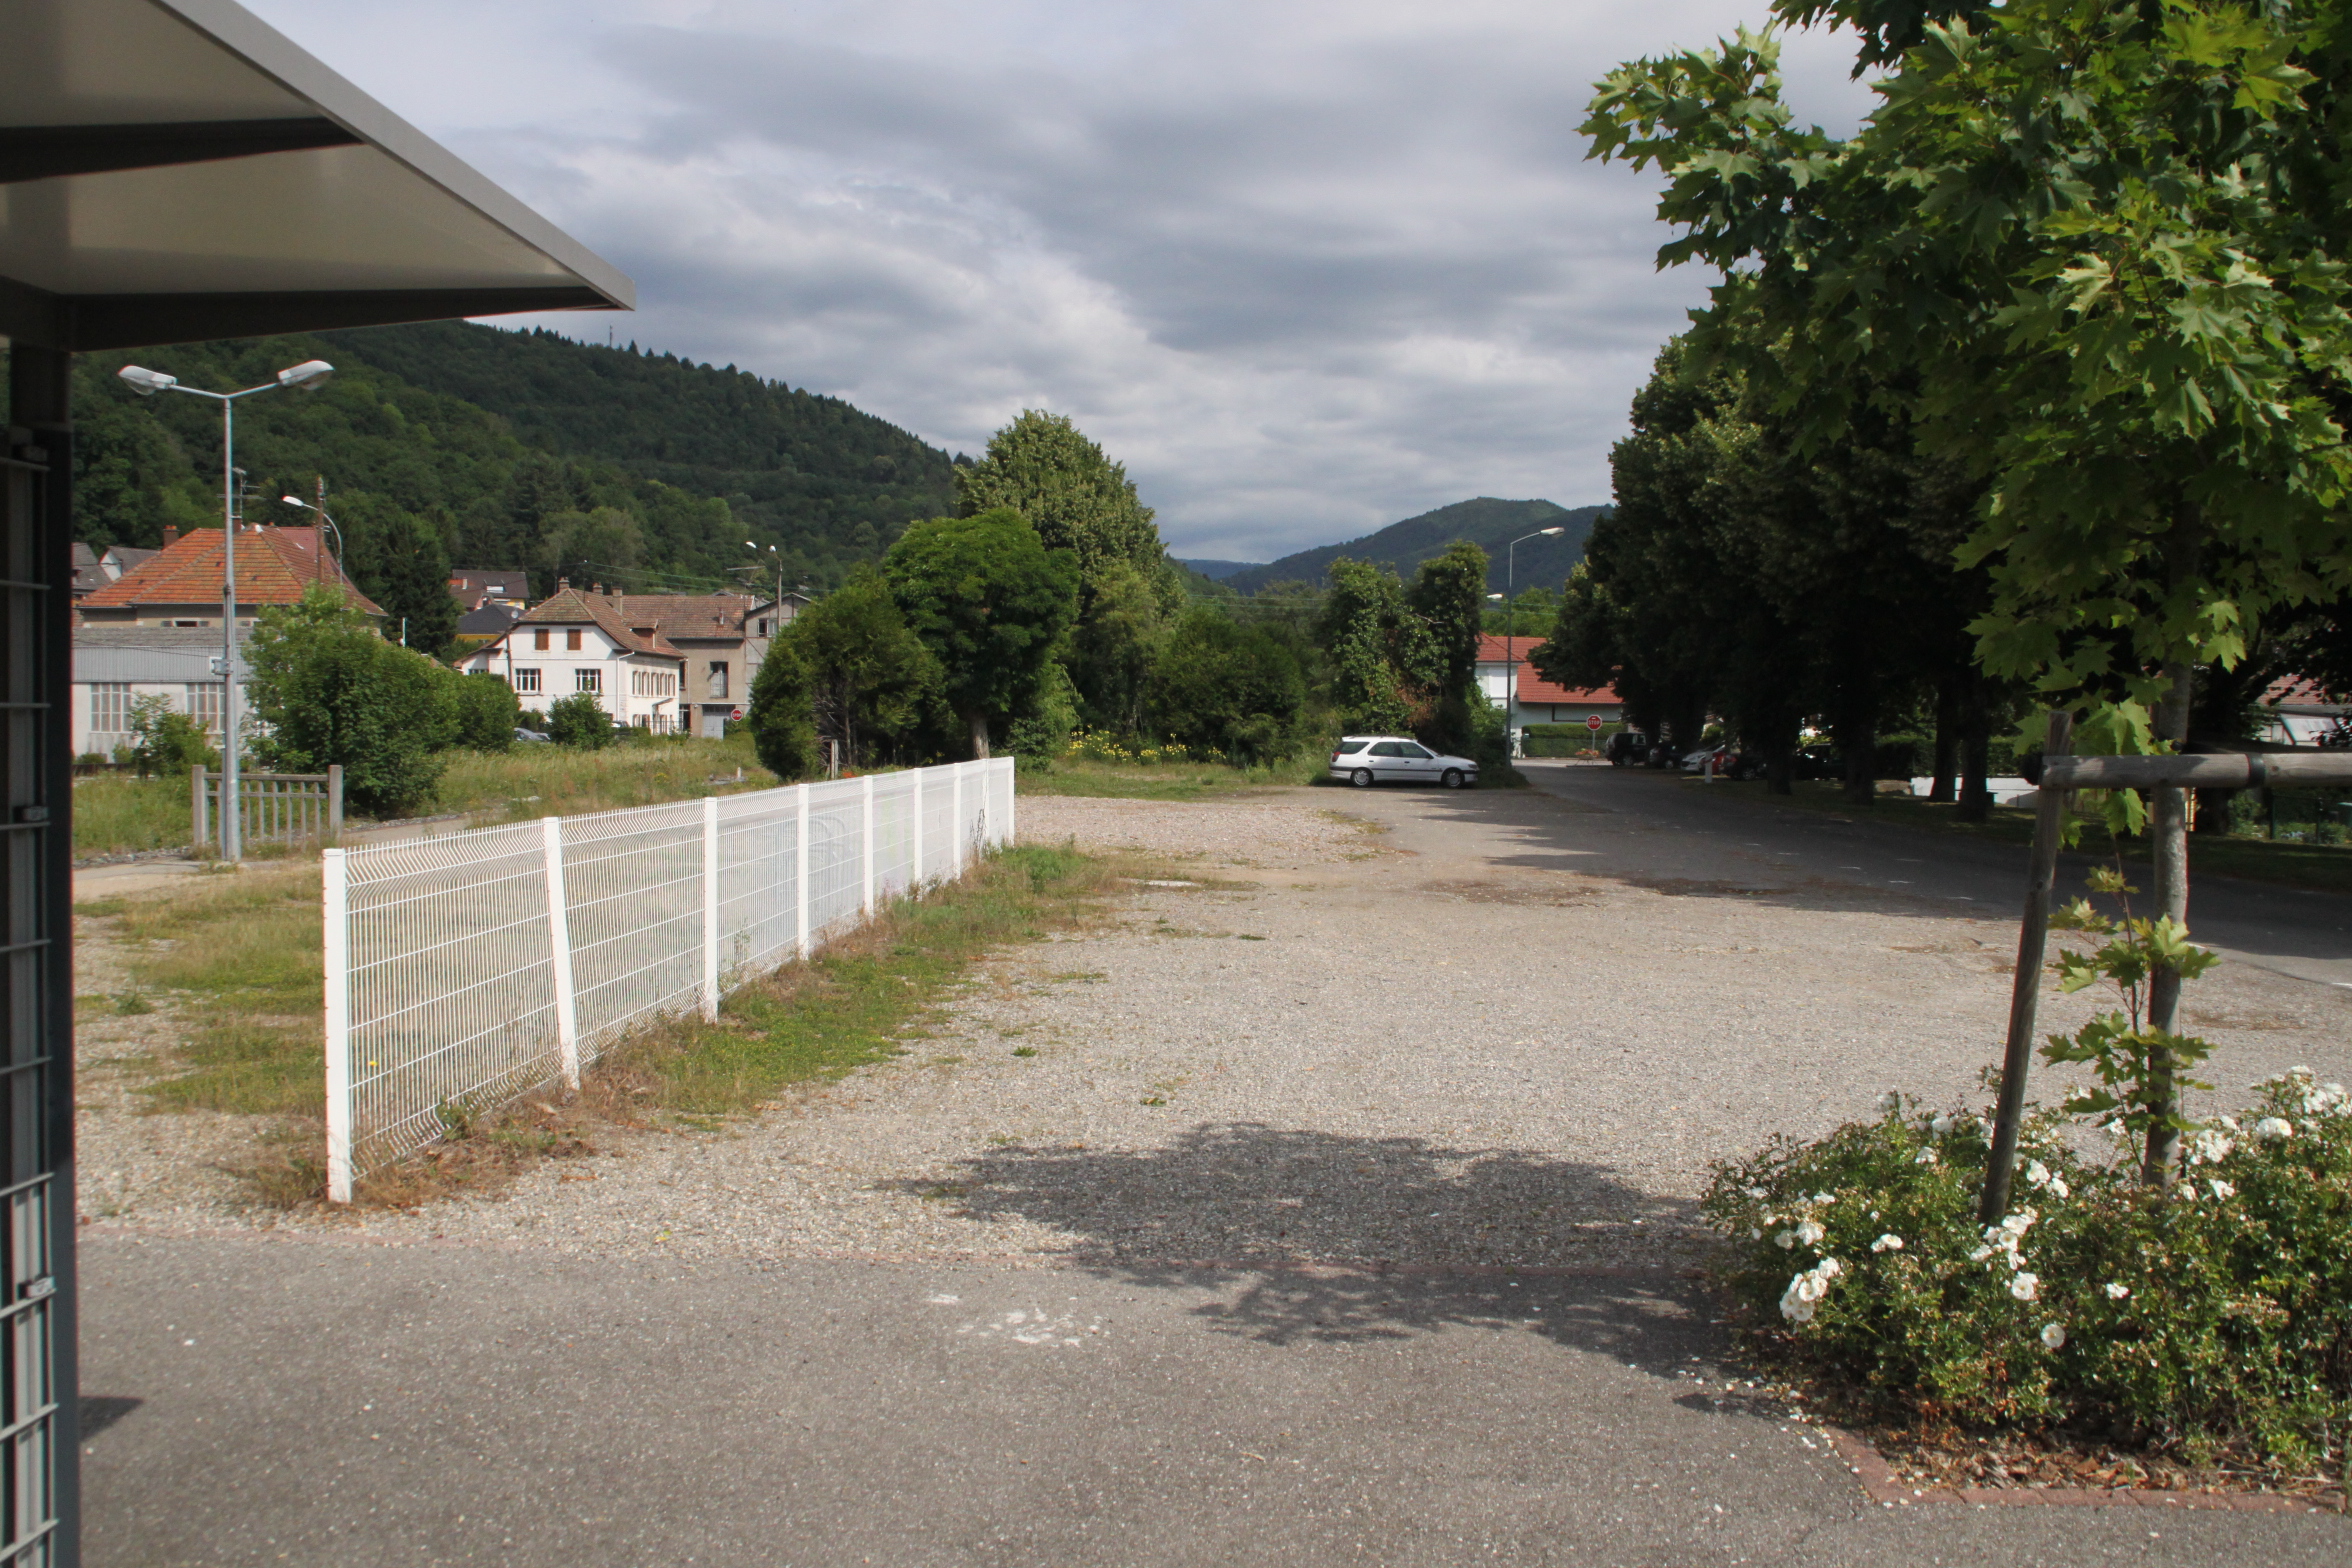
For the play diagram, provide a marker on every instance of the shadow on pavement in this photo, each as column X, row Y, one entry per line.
column 1329, row 1237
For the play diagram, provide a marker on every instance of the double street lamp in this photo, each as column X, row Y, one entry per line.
column 309, row 375
column 325, row 521
column 1510, row 625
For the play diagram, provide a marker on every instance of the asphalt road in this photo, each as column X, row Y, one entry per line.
column 2286, row 930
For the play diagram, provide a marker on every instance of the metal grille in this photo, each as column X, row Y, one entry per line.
column 467, row 970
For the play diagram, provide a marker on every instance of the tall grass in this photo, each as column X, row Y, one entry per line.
column 541, row 781
column 1165, row 780
column 114, row 813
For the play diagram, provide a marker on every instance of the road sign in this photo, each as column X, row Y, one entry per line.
column 1592, row 721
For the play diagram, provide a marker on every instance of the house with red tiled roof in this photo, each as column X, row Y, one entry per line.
column 2297, row 711
column 611, row 646
column 180, row 585
column 1511, row 681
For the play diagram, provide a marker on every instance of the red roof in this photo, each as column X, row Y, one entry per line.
column 274, row 566
column 1533, row 688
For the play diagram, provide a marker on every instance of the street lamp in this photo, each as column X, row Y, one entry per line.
column 1510, row 621
column 320, row 507
column 310, row 375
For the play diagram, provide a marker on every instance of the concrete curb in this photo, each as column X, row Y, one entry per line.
column 1884, row 1487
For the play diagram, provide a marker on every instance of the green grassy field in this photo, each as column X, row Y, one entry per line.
column 1164, row 780
column 114, row 813
column 543, row 781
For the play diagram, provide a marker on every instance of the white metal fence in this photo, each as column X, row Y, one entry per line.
column 467, row 970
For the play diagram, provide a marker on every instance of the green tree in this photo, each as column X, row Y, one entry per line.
column 991, row 602
column 164, row 740
column 848, row 670
column 484, row 713
column 1043, row 467
column 1230, row 689
column 579, row 721
column 2102, row 245
column 330, row 691
column 398, row 559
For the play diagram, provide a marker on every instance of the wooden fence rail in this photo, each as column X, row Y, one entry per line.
column 278, row 808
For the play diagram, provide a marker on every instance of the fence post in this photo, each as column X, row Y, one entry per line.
column 866, row 843
column 559, row 942
column 337, row 958
column 917, row 874
column 334, row 802
column 710, row 907
column 1012, row 786
column 800, row 875
column 200, row 829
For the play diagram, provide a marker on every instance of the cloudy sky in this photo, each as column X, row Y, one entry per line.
column 1305, row 267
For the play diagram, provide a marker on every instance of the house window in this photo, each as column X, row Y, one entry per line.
column 526, row 680
column 110, row 712
column 539, row 641
column 188, row 625
column 204, row 705
column 588, row 680
column 572, row 645
column 764, row 625
column 718, row 679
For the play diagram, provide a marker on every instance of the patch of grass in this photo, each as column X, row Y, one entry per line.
column 114, row 814
column 856, row 1001
column 1164, row 781
column 1024, row 1050
column 542, row 781
column 239, row 962
column 131, row 1004
column 2325, row 868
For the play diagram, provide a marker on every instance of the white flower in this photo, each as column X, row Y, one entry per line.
column 2298, row 1072
column 2327, row 1097
column 2223, row 1189
column 1829, row 1268
column 1925, row 1156
column 1809, row 1232
column 1754, row 1234
column 2116, row 1292
column 1794, row 1307
column 1785, row 1240
column 1757, row 1192
column 2208, row 1145
column 1823, row 1199
column 2037, row 1174
column 1942, row 1123
column 2053, row 1335
column 1892, row 1100
column 1890, row 1242
column 1796, row 1302
column 2225, row 1123
column 1980, row 1254
column 2025, row 1285
column 2274, row 1129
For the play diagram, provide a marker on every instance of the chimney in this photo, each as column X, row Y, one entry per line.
column 563, row 585
column 171, row 535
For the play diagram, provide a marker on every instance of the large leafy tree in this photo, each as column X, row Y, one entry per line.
column 848, row 670
column 329, row 690
column 1044, row 467
column 992, row 604
column 1403, row 657
column 2099, row 248
column 1223, row 687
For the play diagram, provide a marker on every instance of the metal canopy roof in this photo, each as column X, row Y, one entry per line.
column 172, row 170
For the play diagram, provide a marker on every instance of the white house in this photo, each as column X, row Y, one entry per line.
column 1511, row 682
column 591, row 642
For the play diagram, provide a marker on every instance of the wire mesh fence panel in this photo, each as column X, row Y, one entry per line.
column 467, row 970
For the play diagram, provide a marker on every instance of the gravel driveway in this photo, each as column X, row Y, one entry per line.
column 1420, row 1030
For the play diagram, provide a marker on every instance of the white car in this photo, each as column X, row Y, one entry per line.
column 1365, row 760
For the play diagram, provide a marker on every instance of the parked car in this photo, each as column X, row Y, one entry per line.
column 533, row 737
column 1625, row 748
column 1365, row 760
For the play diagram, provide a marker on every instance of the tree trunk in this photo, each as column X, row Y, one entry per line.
column 1859, row 736
column 979, row 722
column 1947, row 739
column 2168, row 834
column 1976, row 740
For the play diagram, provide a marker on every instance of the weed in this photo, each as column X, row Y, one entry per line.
column 131, row 1004
column 102, row 908
column 1024, row 1050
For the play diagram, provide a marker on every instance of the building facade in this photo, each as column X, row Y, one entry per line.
column 1510, row 682
column 594, row 643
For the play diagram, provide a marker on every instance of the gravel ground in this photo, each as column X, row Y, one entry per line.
column 1435, row 1032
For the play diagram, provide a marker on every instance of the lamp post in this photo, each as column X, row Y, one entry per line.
column 320, row 507
column 308, row 375
column 1510, row 622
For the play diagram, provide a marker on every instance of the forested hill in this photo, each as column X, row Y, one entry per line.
column 638, row 470
column 791, row 463
column 1485, row 521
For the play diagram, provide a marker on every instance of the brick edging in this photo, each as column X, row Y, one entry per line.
column 1884, row 1487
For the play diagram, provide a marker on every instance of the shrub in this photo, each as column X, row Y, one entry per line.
column 2214, row 1315
column 580, row 721
column 1227, row 690
column 165, row 740
column 332, row 691
column 487, row 712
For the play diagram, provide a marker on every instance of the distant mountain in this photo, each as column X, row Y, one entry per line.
column 1485, row 521
column 1217, row 571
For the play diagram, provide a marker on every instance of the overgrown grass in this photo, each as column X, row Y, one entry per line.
column 1164, row 781
column 540, row 781
column 114, row 814
column 2325, row 868
column 237, row 958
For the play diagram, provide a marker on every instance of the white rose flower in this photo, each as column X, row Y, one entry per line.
column 1924, row 1157
column 1942, row 1123
column 2053, row 1335
column 2116, row 1292
column 1809, row 1232
column 1797, row 1308
column 1823, row 1199
column 2273, row 1129
column 1758, row 1192
column 1785, row 1240
column 1754, row 1234
column 2327, row 1097
column 2208, row 1145
column 2037, row 1174
column 1829, row 1269
column 2223, row 1189
column 1980, row 1254
column 1890, row 1242
column 2025, row 1286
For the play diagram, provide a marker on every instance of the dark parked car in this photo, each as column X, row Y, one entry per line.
column 1626, row 748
